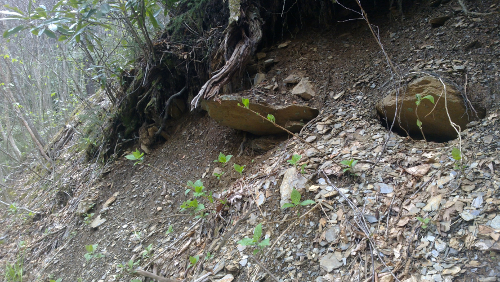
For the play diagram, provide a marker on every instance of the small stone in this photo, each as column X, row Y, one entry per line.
column 384, row 188
column 159, row 208
column 310, row 139
column 227, row 278
column 495, row 223
column 284, row 44
column 311, row 152
column 292, row 79
column 304, row 89
column 487, row 139
column 331, row 261
column 261, row 55
column 467, row 216
column 332, row 233
column 259, row 78
column 98, row 221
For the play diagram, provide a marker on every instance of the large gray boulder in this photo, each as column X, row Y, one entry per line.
column 227, row 112
column 435, row 122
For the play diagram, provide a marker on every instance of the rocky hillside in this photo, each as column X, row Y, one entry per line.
column 373, row 205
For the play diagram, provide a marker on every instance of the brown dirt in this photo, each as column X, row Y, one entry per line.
column 335, row 60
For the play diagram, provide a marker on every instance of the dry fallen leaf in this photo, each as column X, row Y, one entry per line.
column 322, row 222
column 402, row 222
column 419, row 170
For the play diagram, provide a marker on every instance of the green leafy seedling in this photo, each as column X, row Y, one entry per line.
column 193, row 260
column 271, row 118
column 425, row 221
column 295, row 197
column 303, row 168
column 198, row 188
column 58, row 280
column 170, row 230
column 295, row 159
column 246, row 103
column 239, row 168
column 88, row 218
column 91, row 249
column 349, row 163
column 223, row 158
column 147, row 251
column 419, row 99
column 209, row 256
column 218, row 175
column 136, row 156
column 257, row 233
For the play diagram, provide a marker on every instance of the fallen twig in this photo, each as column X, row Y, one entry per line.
column 156, row 277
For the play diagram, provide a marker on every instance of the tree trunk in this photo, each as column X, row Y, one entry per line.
column 24, row 120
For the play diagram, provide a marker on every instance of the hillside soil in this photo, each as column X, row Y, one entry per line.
column 406, row 211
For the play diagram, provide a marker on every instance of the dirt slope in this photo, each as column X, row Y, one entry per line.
column 457, row 240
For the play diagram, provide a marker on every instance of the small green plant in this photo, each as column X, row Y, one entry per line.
column 246, row 103
column 13, row 209
column 271, row 118
column 419, row 100
column 170, row 230
column 128, row 267
column 239, row 168
column 223, row 158
column 254, row 241
column 193, row 260
column 294, row 160
column 88, row 218
column 136, row 156
column 91, row 252
column 58, row 280
column 457, row 156
column 198, row 188
column 295, row 197
column 349, row 163
column 425, row 221
column 192, row 205
column 209, row 256
column 218, row 175
column 303, row 168
column 14, row 272
column 147, row 251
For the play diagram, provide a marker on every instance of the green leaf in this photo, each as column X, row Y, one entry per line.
column 246, row 103
column 419, row 123
column 456, row 154
column 105, row 8
column 430, row 98
column 264, row 243
column 194, row 260
column 12, row 31
column 295, row 159
column 287, row 205
column 246, row 242
column 239, row 168
column 354, row 162
column 295, row 196
column 271, row 118
column 14, row 8
column 346, row 162
column 257, row 232
column 307, row 202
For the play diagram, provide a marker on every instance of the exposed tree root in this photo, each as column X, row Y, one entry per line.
column 242, row 52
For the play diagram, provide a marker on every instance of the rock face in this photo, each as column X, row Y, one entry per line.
column 227, row 112
column 435, row 123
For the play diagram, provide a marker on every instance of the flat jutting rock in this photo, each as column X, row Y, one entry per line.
column 227, row 112
column 435, row 125
column 292, row 179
